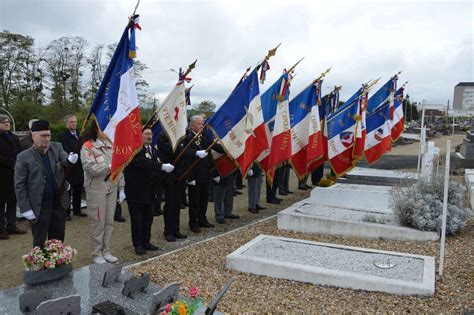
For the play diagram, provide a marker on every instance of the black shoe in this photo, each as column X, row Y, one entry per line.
column 273, row 201
column 196, row 229
column 170, row 238
column 253, row 210
column 157, row 212
column 232, row 216
column 237, row 192
column 302, row 187
column 308, row 186
column 183, row 207
column 4, row 235
column 139, row 250
column 206, row 225
column 220, row 221
column 279, row 199
column 68, row 217
column 180, row 235
column 259, row 207
column 150, row 246
column 15, row 230
column 290, row 192
column 283, row 193
column 80, row 214
column 119, row 219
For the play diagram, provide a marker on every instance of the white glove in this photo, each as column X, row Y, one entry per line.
column 250, row 172
column 201, row 154
column 167, row 167
column 192, row 183
column 29, row 215
column 217, row 179
column 121, row 197
column 72, row 158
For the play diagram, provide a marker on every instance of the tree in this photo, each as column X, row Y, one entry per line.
column 16, row 58
column 98, row 68
column 206, row 107
column 410, row 111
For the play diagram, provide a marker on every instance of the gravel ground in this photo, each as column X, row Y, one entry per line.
column 203, row 265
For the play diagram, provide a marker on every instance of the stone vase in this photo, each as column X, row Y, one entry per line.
column 46, row 276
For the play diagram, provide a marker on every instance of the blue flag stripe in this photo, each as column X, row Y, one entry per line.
column 377, row 118
column 379, row 97
column 300, row 106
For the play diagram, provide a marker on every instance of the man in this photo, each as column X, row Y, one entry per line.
column 75, row 174
column 255, row 180
column 173, row 183
column 199, row 177
column 271, row 190
column 9, row 149
column 38, row 178
column 139, row 177
column 224, row 197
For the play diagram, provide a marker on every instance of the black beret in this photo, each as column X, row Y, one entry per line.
column 40, row 125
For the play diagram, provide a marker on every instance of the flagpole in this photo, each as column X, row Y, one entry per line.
column 196, row 161
column 189, row 144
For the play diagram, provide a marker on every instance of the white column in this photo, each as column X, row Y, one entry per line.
column 445, row 207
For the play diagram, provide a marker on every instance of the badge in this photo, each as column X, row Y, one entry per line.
column 148, row 155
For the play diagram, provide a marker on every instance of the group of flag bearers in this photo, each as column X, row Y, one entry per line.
column 250, row 128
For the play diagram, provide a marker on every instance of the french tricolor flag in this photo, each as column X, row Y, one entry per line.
column 378, row 140
column 115, row 107
column 306, row 137
column 398, row 120
column 238, row 123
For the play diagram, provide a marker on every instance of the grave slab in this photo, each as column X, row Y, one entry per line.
column 320, row 219
column 336, row 265
column 370, row 198
column 386, row 177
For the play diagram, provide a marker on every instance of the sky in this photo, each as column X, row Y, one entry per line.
column 431, row 42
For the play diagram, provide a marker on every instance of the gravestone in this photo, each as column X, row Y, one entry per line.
column 112, row 275
column 373, row 176
column 167, row 295
column 136, row 285
column 336, row 265
column 70, row 305
column 29, row 301
column 430, row 162
column 465, row 157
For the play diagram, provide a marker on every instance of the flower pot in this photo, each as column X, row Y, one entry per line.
column 45, row 276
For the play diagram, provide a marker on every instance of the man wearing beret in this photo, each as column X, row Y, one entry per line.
column 38, row 177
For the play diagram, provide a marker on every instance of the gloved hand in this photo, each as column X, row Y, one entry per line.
column 73, row 157
column 192, row 183
column 29, row 215
column 217, row 179
column 201, row 154
column 121, row 197
column 250, row 172
column 167, row 167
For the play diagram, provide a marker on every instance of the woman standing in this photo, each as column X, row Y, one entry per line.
column 101, row 194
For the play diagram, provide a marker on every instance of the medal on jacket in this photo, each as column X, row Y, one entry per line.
column 198, row 141
column 148, row 155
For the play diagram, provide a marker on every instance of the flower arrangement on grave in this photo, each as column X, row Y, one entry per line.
column 185, row 307
column 54, row 254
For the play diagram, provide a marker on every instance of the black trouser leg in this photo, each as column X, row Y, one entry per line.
column 147, row 223
column 76, row 198
column 41, row 227
column 136, row 221
column 172, row 206
column 202, row 202
column 193, row 206
column 57, row 224
column 118, row 211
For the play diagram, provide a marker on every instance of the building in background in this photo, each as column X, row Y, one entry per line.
column 463, row 99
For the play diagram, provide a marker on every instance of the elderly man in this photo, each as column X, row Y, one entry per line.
column 9, row 148
column 140, row 175
column 69, row 138
column 38, row 178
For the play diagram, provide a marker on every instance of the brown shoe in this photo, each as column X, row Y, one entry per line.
column 15, row 230
column 4, row 235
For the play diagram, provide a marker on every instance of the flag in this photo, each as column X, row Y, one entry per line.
column 383, row 95
column 238, row 123
column 223, row 163
column 172, row 113
column 329, row 103
column 398, row 120
column 378, row 140
column 277, row 125
column 340, row 130
column 306, row 137
column 115, row 107
column 361, row 124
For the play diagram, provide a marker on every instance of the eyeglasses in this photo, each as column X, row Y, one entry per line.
column 5, row 122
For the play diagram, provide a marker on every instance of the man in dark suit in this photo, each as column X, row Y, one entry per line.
column 38, row 178
column 9, row 149
column 139, row 177
column 173, row 183
column 74, row 175
column 255, row 180
column 199, row 177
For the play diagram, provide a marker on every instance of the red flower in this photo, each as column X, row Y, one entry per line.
column 47, row 264
column 193, row 292
column 168, row 308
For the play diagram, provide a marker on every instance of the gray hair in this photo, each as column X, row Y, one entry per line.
column 30, row 123
column 4, row 117
column 193, row 119
column 66, row 118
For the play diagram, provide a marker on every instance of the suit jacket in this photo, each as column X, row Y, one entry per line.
column 140, row 175
column 9, row 148
column 201, row 171
column 257, row 171
column 166, row 155
column 69, row 142
column 30, row 177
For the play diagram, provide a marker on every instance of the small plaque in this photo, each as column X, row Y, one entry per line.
column 166, row 295
column 29, row 301
column 70, row 305
column 111, row 276
column 384, row 263
column 135, row 285
column 108, row 308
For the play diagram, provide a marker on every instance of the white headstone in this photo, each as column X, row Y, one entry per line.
column 430, row 162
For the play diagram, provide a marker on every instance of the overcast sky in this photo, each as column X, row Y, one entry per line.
column 430, row 41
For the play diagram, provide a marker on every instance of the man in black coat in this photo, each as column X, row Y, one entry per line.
column 9, row 149
column 68, row 138
column 173, row 183
column 199, row 177
column 140, row 175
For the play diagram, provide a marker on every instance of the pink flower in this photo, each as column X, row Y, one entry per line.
column 193, row 292
column 168, row 308
column 47, row 264
column 60, row 261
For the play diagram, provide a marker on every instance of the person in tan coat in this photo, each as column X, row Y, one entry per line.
column 101, row 193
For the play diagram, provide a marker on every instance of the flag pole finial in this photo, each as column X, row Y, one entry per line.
column 323, row 74
column 294, row 66
column 190, row 68
column 272, row 52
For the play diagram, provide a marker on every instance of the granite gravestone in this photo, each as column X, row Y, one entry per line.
column 167, row 295
column 135, row 285
column 465, row 157
column 70, row 305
